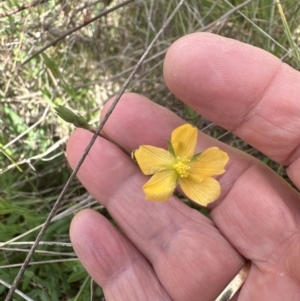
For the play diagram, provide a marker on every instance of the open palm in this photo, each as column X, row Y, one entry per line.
column 168, row 251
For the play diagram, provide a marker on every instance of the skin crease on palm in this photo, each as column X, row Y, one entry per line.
column 168, row 251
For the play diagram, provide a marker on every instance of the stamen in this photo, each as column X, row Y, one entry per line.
column 182, row 167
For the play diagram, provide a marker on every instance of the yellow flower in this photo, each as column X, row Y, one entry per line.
column 179, row 165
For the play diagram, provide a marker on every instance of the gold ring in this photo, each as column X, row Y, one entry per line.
column 235, row 284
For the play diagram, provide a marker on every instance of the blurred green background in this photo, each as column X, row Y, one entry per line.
column 82, row 71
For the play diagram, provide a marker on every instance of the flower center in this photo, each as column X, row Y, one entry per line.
column 182, row 167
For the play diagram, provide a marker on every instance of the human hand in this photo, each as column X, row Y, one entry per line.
column 168, row 251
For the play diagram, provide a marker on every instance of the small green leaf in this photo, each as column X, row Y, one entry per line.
column 52, row 66
column 78, row 275
column 195, row 157
column 191, row 113
column 170, row 148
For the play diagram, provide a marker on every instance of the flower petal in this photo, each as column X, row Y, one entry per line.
column 153, row 159
column 202, row 192
column 184, row 139
column 209, row 163
column 161, row 186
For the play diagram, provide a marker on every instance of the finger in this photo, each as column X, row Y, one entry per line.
column 250, row 92
column 254, row 198
column 253, row 94
column 159, row 230
column 240, row 87
column 112, row 261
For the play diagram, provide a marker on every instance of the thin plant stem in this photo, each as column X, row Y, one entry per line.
column 124, row 149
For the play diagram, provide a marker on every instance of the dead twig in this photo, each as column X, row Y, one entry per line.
column 22, row 7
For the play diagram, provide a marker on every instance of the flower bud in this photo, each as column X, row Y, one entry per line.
column 69, row 116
